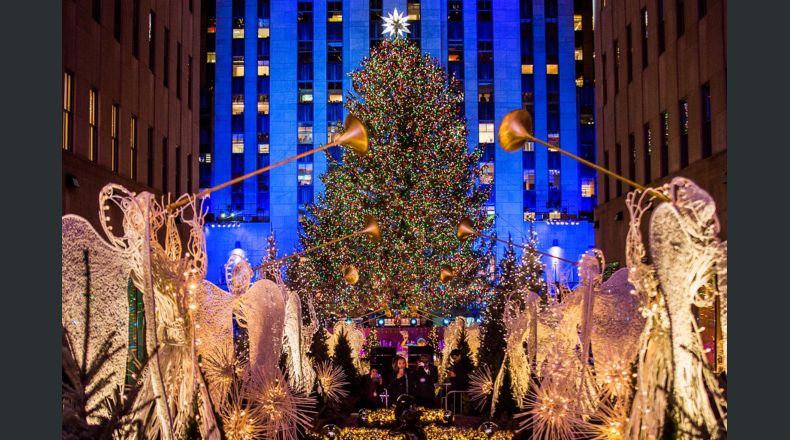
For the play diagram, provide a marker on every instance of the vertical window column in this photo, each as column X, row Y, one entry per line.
column 304, row 106
column 647, row 151
column 455, row 40
column 707, row 117
column 133, row 147
column 68, row 115
column 552, row 45
column 528, row 103
column 485, row 98
column 664, row 143
column 150, row 158
column 262, row 197
column 376, row 26
column 151, row 40
column 334, row 73
column 643, row 24
column 93, row 125
column 683, row 126
column 413, row 13
column 165, row 165
column 115, row 148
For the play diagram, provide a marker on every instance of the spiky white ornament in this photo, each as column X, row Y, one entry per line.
column 396, row 24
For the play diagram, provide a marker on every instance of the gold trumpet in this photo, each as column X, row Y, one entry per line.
column 466, row 231
column 446, row 274
column 354, row 136
column 516, row 128
column 371, row 230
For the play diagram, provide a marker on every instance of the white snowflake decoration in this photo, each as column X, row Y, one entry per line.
column 396, row 24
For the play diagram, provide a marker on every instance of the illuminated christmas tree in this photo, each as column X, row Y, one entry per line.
column 530, row 271
column 418, row 179
column 270, row 272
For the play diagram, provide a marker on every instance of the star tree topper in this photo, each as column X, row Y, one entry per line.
column 396, row 24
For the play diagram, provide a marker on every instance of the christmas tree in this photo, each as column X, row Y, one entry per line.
column 371, row 342
column 492, row 347
column 319, row 350
column 270, row 272
column 418, row 180
column 530, row 272
column 342, row 357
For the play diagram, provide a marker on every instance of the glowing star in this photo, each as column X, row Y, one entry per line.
column 396, row 24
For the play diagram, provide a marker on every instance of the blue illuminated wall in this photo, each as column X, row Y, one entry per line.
column 295, row 56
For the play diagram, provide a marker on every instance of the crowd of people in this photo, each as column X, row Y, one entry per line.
column 420, row 381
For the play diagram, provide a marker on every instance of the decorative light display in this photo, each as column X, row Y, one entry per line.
column 418, row 179
column 331, row 381
column 385, row 417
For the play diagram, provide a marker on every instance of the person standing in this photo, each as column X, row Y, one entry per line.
column 424, row 378
column 459, row 378
column 372, row 387
column 400, row 383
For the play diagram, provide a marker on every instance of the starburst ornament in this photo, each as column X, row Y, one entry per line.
column 396, row 24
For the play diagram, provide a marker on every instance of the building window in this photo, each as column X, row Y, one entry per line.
column 211, row 57
column 135, row 28
column 664, row 143
column 263, row 148
column 151, row 40
column 661, row 27
column 707, row 118
column 150, row 158
column 165, row 171
column 189, row 173
column 166, row 59
column 616, row 67
column 68, row 116
column 487, row 173
column 606, row 180
column 237, row 104
column 133, row 147
column 552, row 69
column 114, row 122
column 116, row 21
column 93, row 125
column 680, row 14
column 178, row 170
column 96, row 10
column 647, row 150
column 643, row 23
column 631, row 157
column 629, row 53
column 305, row 133
column 486, row 133
column 588, row 187
column 305, row 177
column 529, row 180
column 178, row 70
column 683, row 112
column 189, row 82
column 554, row 179
column 237, row 143
column 604, row 83
column 618, row 167
column 577, row 22
column 702, row 8
column 263, row 104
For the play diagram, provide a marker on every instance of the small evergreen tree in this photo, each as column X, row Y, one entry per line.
column 492, row 347
column 319, row 350
column 270, row 272
column 463, row 346
column 371, row 342
column 531, row 270
column 342, row 357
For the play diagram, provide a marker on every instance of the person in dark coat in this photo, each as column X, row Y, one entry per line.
column 372, row 387
column 459, row 371
column 424, row 378
column 400, row 380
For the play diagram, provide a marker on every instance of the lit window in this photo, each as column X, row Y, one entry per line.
column 554, row 138
column 526, row 69
column 331, row 132
column 238, row 33
column 68, row 90
column 305, row 176
column 529, row 146
column 305, row 134
column 263, row 32
column 580, row 82
column 456, row 57
column 263, row 148
column 238, row 71
column 554, row 179
column 529, row 216
column 263, row 104
column 93, row 125
column 237, row 143
column 578, row 54
column 335, row 17
column 211, row 57
column 237, row 106
column 529, row 180
column 486, row 133
column 305, row 97
column 487, row 173
column 335, row 97
column 552, row 69
column 588, row 187
column 238, row 60
column 555, row 215
column 413, row 9
column 207, row 158
column 263, row 67
column 490, row 211
column 577, row 22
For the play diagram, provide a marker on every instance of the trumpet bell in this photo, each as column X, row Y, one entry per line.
column 350, row 274
column 354, row 136
column 515, row 129
column 446, row 274
column 371, row 228
column 465, row 230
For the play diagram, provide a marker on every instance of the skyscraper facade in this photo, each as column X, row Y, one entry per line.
column 276, row 76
